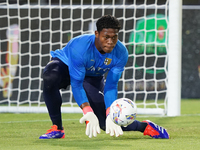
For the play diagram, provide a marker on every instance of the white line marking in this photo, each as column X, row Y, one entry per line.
column 36, row 121
column 184, row 115
column 78, row 119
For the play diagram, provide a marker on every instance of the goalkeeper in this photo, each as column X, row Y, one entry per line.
column 82, row 64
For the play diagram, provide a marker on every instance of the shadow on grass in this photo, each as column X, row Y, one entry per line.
column 93, row 143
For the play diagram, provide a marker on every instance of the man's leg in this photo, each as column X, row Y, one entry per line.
column 52, row 96
column 55, row 76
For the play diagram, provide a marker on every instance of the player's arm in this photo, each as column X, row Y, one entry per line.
column 111, row 85
column 110, row 89
column 110, row 95
column 77, row 75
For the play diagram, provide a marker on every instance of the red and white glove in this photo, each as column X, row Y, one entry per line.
column 111, row 127
column 92, row 122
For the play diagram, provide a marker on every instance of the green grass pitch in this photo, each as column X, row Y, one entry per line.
column 21, row 132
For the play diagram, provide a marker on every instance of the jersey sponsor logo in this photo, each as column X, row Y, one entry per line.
column 92, row 68
column 107, row 61
column 98, row 70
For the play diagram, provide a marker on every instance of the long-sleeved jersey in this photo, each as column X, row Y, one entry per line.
column 83, row 59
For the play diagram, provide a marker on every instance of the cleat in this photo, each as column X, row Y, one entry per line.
column 155, row 131
column 53, row 133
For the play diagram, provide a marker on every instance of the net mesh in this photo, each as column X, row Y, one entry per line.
column 29, row 31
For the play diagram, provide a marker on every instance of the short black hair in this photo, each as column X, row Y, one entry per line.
column 107, row 21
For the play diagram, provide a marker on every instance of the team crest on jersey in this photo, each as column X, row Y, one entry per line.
column 107, row 61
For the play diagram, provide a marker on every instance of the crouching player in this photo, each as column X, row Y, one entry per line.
column 82, row 64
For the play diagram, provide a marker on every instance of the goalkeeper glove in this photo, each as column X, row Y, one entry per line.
column 92, row 122
column 111, row 127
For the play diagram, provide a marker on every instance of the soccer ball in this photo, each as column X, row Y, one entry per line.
column 123, row 111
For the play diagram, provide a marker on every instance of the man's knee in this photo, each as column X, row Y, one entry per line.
column 51, row 80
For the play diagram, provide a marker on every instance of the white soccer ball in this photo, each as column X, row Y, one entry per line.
column 123, row 111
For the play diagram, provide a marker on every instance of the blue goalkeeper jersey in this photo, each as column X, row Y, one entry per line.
column 83, row 59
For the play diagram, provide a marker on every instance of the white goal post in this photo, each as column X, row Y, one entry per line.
column 150, row 31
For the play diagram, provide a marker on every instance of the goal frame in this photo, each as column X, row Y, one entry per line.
column 174, row 61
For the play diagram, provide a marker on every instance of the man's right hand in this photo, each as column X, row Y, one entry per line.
column 92, row 124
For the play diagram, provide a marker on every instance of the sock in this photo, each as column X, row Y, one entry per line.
column 142, row 126
column 56, row 120
column 135, row 126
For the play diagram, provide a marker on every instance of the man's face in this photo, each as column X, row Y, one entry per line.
column 106, row 40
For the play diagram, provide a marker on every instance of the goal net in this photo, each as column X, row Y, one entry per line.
column 29, row 30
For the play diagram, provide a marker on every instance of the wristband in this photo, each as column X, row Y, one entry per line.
column 107, row 111
column 87, row 109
